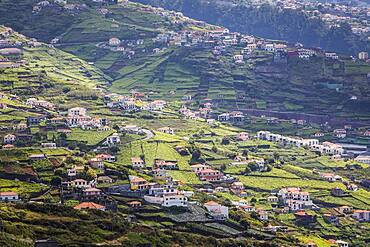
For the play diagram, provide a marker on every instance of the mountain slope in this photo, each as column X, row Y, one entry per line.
column 47, row 72
column 171, row 72
column 269, row 22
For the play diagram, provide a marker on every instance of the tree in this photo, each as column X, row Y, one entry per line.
column 247, row 170
column 56, row 181
column 245, row 223
column 196, row 154
column 225, row 141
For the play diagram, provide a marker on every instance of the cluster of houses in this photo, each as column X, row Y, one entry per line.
column 295, row 199
column 313, row 144
column 138, row 163
column 33, row 102
column 136, row 102
column 331, row 14
column 76, row 118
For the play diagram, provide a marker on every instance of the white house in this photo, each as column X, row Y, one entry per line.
column 113, row 139
column 9, row 196
column 114, row 41
column 272, row 199
column 178, row 200
column 9, row 139
column 342, row 243
column 80, row 183
column 361, row 215
column 238, row 58
column 295, row 199
column 77, row 111
column 363, row 159
column 269, row 47
column 71, row 172
column 363, row 55
column 50, row 145
column 340, row 133
column 41, row 103
column 166, row 197
column 199, row 167
column 263, row 215
column 331, row 55
column 313, row 144
column 106, row 157
column 331, row 177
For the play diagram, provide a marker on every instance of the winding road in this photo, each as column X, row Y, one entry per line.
column 149, row 134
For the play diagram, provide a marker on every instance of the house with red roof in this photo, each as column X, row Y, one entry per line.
column 210, row 175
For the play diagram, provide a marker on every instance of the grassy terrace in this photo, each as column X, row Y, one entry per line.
column 90, row 137
column 22, row 188
column 22, row 154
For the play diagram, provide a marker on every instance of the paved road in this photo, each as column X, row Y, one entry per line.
column 149, row 134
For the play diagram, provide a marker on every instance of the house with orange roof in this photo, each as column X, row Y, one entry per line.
column 106, row 157
column 138, row 183
column 134, row 204
column 165, row 164
column 9, row 196
column 242, row 136
column 89, row 205
column 8, row 146
column 137, row 162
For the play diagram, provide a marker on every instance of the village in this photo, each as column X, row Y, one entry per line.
column 91, row 178
column 182, row 162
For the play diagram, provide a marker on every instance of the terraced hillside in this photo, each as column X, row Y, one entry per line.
column 317, row 85
column 37, row 70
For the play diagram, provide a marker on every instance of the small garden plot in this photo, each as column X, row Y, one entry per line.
column 362, row 195
column 279, row 173
column 299, row 171
column 17, row 154
column 186, row 177
column 20, row 187
column 56, row 152
column 165, row 137
column 270, row 183
column 317, row 240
